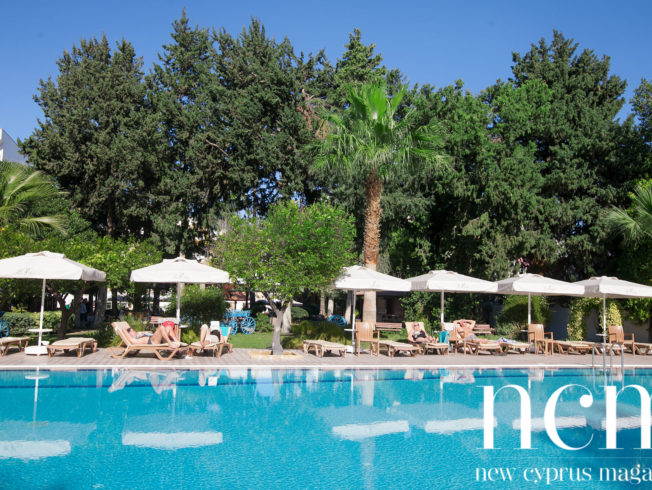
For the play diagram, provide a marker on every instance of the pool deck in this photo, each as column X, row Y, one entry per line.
column 243, row 358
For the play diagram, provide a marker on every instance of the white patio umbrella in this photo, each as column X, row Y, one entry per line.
column 537, row 285
column 450, row 282
column 359, row 278
column 612, row 287
column 46, row 265
column 180, row 271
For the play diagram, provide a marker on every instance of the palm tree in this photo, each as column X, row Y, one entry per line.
column 634, row 226
column 21, row 188
column 369, row 139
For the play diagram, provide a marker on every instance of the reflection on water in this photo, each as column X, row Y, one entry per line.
column 269, row 426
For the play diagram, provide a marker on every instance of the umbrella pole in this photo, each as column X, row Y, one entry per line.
column 529, row 308
column 604, row 316
column 353, row 320
column 442, row 310
column 178, row 303
column 40, row 322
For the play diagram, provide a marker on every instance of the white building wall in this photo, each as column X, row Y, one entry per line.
column 9, row 149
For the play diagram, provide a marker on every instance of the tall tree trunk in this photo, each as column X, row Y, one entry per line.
column 287, row 320
column 373, row 212
column 277, row 322
column 66, row 312
column 100, row 305
column 322, row 303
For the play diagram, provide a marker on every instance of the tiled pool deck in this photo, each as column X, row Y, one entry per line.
column 243, row 358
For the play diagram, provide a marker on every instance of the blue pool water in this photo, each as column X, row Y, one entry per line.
column 307, row 428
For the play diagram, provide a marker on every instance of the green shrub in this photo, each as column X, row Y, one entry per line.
column 263, row 323
column 581, row 308
column 313, row 330
column 299, row 313
column 105, row 335
column 514, row 313
column 19, row 323
column 198, row 305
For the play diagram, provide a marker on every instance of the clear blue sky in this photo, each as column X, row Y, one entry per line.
column 435, row 41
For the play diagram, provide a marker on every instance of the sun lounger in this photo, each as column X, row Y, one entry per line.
column 518, row 347
column 217, row 348
column 319, row 347
column 78, row 344
column 473, row 346
column 391, row 347
column 127, row 347
column 7, row 342
column 571, row 347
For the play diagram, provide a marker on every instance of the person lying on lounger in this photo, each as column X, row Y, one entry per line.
column 208, row 335
column 419, row 336
column 464, row 329
column 162, row 335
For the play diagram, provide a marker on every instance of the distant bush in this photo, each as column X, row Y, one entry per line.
column 299, row 313
column 20, row 323
column 263, row 323
column 314, row 331
column 198, row 305
column 513, row 316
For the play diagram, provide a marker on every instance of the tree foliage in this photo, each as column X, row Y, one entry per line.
column 97, row 138
column 294, row 249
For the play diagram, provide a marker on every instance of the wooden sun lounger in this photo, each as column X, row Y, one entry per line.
column 438, row 347
column 7, row 342
column 571, row 347
column 130, row 348
column 74, row 343
column 393, row 347
column 216, row 347
column 321, row 346
column 518, row 347
column 474, row 347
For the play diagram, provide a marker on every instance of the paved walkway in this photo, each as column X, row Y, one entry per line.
column 244, row 358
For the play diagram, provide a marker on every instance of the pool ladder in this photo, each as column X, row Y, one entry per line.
column 621, row 349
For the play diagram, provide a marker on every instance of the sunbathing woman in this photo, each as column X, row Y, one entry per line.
column 208, row 335
column 162, row 335
column 419, row 336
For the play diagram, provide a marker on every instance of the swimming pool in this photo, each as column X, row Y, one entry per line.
column 308, row 428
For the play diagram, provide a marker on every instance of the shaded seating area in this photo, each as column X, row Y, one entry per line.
column 617, row 335
column 77, row 344
column 319, row 347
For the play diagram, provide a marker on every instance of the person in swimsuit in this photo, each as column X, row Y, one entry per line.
column 162, row 335
column 419, row 336
column 209, row 336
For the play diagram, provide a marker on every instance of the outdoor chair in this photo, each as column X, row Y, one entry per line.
column 215, row 344
column 366, row 333
column 424, row 347
column 126, row 346
column 541, row 339
column 617, row 335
